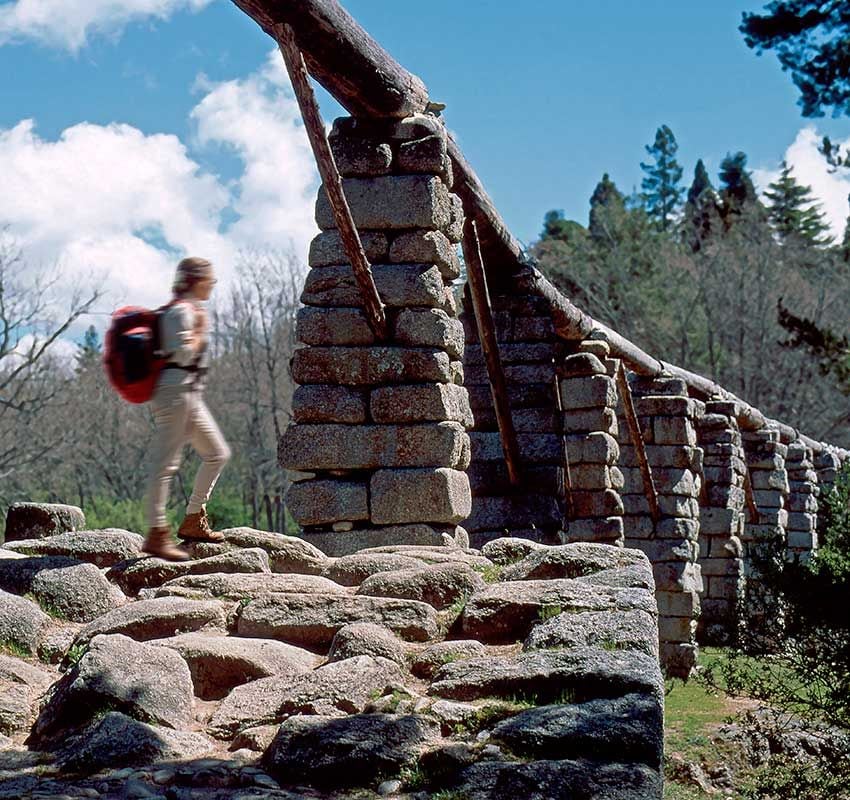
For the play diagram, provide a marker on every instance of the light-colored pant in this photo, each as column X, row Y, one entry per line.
column 182, row 418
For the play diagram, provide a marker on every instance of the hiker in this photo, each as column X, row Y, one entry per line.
column 181, row 416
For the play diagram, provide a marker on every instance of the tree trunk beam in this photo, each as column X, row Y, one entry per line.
column 477, row 281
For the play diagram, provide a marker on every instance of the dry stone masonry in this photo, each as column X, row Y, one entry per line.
column 529, row 351
column 721, row 522
column 802, row 502
column 379, row 437
column 588, row 398
column 666, row 415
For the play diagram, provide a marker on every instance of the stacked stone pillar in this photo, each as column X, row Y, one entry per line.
column 378, row 439
column 721, row 522
column 802, row 503
column 667, row 416
column 528, row 350
column 765, row 538
column 588, row 394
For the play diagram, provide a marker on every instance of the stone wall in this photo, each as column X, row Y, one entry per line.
column 529, row 351
column 765, row 538
column 666, row 415
column 378, row 438
column 802, row 537
column 721, row 522
column 588, row 394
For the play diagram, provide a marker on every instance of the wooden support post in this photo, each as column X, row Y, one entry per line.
column 637, row 440
column 297, row 70
column 487, row 336
column 750, row 496
column 568, row 478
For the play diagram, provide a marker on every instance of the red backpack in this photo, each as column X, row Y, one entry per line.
column 132, row 354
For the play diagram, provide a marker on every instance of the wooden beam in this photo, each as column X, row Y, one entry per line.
column 750, row 496
column 372, row 304
column 342, row 57
column 569, row 505
column 649, row 489
column 477, row 281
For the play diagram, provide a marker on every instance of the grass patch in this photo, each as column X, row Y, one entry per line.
column 490, row 573
column 75, row 652
column 413, row 778
column 548, row 612
column 46, row 606
column 450, row 794
column 15, row 649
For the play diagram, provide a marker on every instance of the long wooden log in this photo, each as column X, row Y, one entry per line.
column 477, row 281
column 372, row 305
column 367, row 81
column 573, row 324
column 341, row 56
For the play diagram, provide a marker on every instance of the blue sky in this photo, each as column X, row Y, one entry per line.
column 163, row 126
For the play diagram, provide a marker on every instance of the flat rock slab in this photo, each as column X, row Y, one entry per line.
column 101, row 548
column 116, row 741
column 428, row 660
column 615, row 630
column 336, row 689
column 16, row 707
column 77, row 593
column 567, row 780
column 356, row 751
column 37, row 520
column 218, row 663
column 573, row 561
column 367, row 639
column 116, row 673
column 16, row 575
column 15, row 670
column 505, row 611
column 509, row 549
column 354, row 569
column 546, row 676
column 439, row 585
column 238, row 586
column 22, row 623
column 132, row 576
column 157, row 619
column 434, row 555
column 313, row 620
column 628, row 728
column 286, row 553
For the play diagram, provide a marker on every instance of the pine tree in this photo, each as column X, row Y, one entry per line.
column 557, row 226
column 662, row 194
column 607, row 206
column 793, row 211
column 737, row 191
column 89, row 350
column 845, row 244
column 702, row 211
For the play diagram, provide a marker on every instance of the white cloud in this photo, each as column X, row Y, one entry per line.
column 809, row 167
column 70, row 23
column 116, row 203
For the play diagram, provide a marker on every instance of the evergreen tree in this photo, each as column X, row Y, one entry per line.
column 557, row 226
column 90, row 350
column 661, row 191
column 737, row 191
column 812, row 41
column 793, row 212
column 702, row 211
column 607, row 208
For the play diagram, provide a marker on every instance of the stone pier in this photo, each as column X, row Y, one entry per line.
column 378, row 441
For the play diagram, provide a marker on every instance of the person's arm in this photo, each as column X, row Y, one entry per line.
column 184, row 332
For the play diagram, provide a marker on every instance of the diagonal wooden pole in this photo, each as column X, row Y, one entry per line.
column 750, row 496
column 297, row 70
column 477, row 280
column 637, row 440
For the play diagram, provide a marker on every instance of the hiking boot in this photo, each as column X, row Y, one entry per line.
column 196, row 528
column 160, row 544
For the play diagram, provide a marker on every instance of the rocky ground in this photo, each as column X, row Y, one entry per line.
column 263, row 668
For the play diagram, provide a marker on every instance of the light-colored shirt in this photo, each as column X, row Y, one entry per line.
column 177, row 332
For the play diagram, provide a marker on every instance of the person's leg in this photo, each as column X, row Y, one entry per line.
column 208, row 442
column 171, row 415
